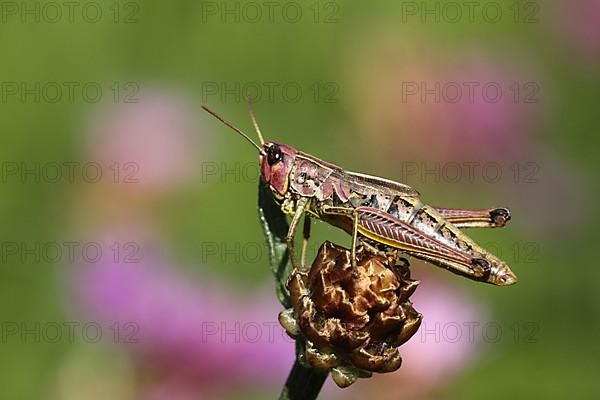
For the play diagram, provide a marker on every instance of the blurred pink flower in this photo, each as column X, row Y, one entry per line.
column 204, row 336
column 466, row 107
column 576, row 21
column 154, row 141
column 442, row 346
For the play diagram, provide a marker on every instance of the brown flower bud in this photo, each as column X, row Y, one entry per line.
column 351, row 319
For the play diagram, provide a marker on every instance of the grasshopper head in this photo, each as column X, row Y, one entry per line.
column 275, row 166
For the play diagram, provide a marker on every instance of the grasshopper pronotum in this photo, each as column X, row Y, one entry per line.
column 382, row 214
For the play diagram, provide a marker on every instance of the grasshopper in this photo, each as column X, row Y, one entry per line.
column 383, row 215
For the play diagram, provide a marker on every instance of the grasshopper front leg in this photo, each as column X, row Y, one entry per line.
column 354, row 237
column 301, row 206
column 305, row 237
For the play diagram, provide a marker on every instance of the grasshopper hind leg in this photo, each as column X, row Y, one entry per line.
column 475, row 218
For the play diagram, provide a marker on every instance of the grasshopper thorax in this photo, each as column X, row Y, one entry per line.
column 276, row 165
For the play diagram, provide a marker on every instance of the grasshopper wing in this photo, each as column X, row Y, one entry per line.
column 385, row 185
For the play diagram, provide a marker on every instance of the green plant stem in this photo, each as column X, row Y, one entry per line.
column 303, row 383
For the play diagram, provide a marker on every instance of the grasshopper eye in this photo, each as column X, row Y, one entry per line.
column 274, row 154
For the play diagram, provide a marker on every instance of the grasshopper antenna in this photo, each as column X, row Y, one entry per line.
column 253, row 117
column 217, row 116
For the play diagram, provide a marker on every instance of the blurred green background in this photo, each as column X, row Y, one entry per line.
column 352, row 63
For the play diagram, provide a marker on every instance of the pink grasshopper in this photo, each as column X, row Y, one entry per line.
column 382, row 214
